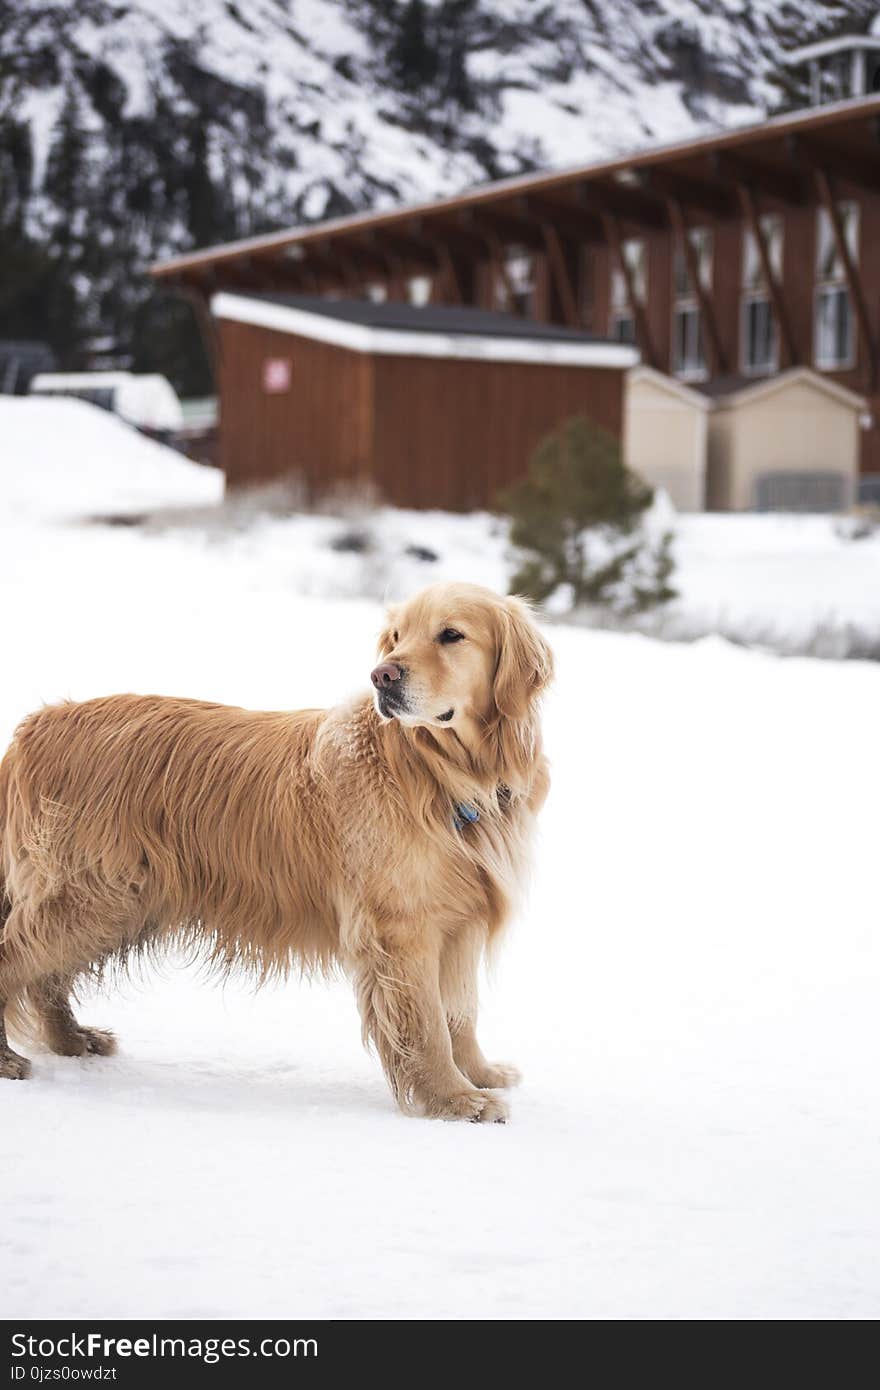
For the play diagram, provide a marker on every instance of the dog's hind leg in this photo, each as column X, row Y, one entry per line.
column 49, row 1002
column 12, row 1065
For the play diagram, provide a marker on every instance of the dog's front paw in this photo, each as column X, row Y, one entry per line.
column 480, row 1107
column 497, row 1076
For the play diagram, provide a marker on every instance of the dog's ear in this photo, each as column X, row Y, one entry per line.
column 525, row 661
column 386, row 642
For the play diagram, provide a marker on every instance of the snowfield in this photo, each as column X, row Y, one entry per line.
column 691, row 990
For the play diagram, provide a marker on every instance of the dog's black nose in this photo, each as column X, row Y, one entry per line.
column 385, row 674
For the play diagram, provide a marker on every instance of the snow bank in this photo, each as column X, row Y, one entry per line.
column 68, row 459
column 789, row 584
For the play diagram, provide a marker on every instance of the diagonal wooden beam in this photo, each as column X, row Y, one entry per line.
column 853, row 280
column 615, row 241
column 450, row 275
column 559, row 271
column 446, row 251
column 717, row 360
column 774, row 289
column 498, row 259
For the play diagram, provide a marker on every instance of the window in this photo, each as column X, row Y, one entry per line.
column 834, row 343
column 622, row 326
column 759, row 352
column 834, row 337
column 759, row 346
column 418, row 289
column 688, row 347
column 514, row 291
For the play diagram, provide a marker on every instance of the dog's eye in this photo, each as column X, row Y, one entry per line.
column 395, row 637
column 450, row 634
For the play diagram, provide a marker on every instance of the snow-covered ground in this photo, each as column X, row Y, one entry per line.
column 691, row 990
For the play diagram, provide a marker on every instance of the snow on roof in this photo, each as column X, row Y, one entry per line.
column 410, row 330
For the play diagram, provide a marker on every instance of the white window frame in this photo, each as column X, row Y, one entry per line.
column 749, row 367
column 756, row 291
column 522, row 276
column 686, row 301
column 635, row 253
column 830, row 277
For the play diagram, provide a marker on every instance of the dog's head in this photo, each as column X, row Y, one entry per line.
column 460, row 657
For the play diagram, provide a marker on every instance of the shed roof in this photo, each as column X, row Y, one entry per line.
column 700, row 400
column 731, row 391
column 426, row 318
column 432, row 330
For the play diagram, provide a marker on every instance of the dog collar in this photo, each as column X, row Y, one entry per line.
column 464, row 814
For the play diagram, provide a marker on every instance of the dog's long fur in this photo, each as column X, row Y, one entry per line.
column 279, row 840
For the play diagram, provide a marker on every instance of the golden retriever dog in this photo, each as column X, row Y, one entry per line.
column 388, row 836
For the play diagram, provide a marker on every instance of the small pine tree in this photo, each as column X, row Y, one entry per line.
column 576, row 519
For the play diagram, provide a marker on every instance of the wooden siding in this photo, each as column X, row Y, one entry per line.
column 424, row 432
column 319, row 430
column 451, row 434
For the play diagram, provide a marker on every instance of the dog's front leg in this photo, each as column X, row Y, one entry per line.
column 459, row 973
column 404, row 1018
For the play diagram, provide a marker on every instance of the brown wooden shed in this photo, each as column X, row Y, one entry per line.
column 431, row 406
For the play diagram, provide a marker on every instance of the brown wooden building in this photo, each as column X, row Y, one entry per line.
column 723, row 259
column 435, row 406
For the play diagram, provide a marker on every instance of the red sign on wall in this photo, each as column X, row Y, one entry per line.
column 276, row 375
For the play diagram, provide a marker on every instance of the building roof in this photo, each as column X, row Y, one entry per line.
column 623, row 184
column 431, row 330
column 737, row 390
column 427, row 318
column 845, row 43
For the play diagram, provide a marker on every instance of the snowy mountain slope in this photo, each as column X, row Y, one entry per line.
column 129, row 130
column 314, row 105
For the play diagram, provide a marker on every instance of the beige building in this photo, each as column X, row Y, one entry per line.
column 785, row 443
column 665, row 435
